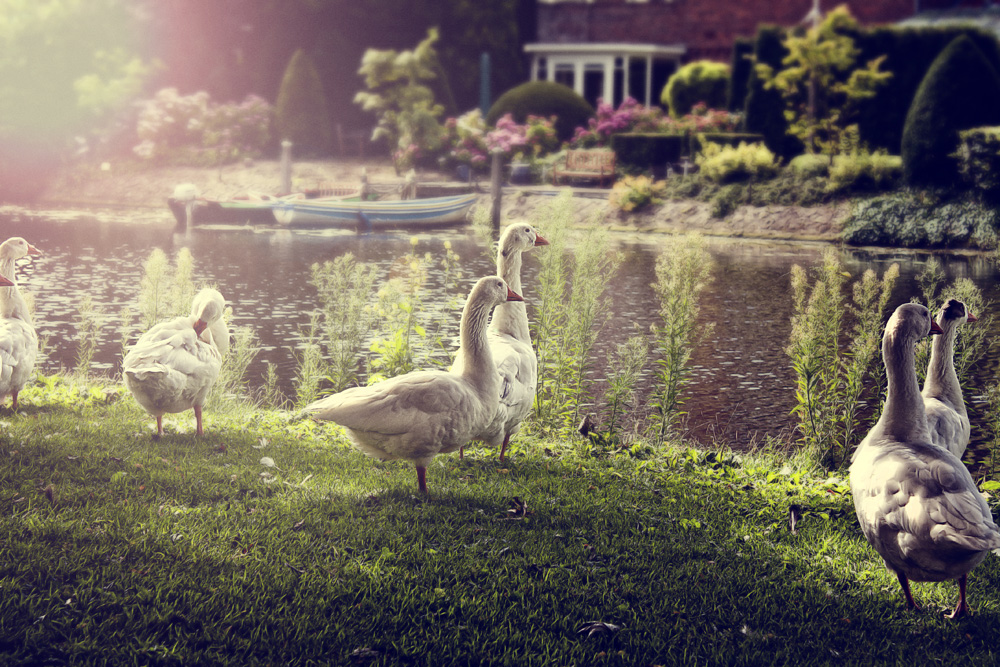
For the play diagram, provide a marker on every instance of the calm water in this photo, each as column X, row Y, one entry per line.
column 742, row 388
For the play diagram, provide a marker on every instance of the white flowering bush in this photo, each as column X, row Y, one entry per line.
column 191, row 129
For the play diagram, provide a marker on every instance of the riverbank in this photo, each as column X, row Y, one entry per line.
column 136, row 185
column 270, row 540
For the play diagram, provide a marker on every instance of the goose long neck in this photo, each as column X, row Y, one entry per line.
column 475, row 360
column 942, row 380
column 511, row 318
column 903, row 417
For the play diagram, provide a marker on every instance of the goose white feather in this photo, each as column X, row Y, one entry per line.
column 947, row 418
column 18, row 340
column 916, row 502
column 173, row 366
column 509, row 339
column 424, row 413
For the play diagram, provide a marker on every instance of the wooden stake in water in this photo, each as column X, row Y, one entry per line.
column 495, row 189
column 286, row 167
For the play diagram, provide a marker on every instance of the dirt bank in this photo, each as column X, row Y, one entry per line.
column 139, row 186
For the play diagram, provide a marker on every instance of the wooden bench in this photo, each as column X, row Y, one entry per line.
column 588, row 164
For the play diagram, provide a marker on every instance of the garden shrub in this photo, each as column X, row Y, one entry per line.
column 810, row 165
column 726, row 164
column 545, row 99
column 903, row 219
column 702, row 81
column 192, row 130
column 699, row 139
column 978, row 158
column 637, row 152
column 739, row 74
column 960, row 91
column 301, row 114
column 764, row 110
column 635, row 192
column 909, row 54
column 864, row 171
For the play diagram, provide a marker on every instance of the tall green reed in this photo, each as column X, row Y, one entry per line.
column 571, row 311
column 344, row 287
column 87, row 327
column 683, row 271
column 832, row 379
column 623, row 374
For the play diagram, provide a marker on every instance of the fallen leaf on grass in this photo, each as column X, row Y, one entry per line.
column 267, row 461
column 299, row 524
column 364, row 654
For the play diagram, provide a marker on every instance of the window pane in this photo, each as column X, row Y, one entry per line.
column 565, row 75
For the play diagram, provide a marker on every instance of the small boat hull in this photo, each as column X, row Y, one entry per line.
column 373, row 215
column 235, row 211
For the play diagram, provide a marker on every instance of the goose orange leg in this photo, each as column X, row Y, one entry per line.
column 159, row 427
column 905, row 583
column 197, row 419
column 963, row 607
column 503, row 448
column 13, row 405
column 422, row 479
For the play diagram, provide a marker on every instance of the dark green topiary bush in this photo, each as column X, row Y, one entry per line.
column 961, row 91
column 639, row 152
column 301, row 114
column 701, row 81
column 765, row 108
column 739, row 74
column 544, row 98
column 979, row 159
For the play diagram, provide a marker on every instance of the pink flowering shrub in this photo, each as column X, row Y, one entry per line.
column 465, row 139
column 630, row 116
column 191, row 129
column 537, row 137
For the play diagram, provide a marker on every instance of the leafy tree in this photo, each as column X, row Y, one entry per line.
column 300, row 112
column 821, row 83
column 401, row 99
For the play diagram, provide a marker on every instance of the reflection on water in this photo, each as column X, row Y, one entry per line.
column 742, row 388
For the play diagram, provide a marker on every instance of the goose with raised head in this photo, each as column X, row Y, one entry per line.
column 947, row 418
column 18, row 340
column 510, row 341
column 418, row 415
column 916, row 502
column 172, row 367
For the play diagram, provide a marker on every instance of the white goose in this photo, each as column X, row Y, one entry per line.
column 172, row 367
column 18, row 340
column 947, row 418
column 510, row 342
column 917, row 503
column 424, row 413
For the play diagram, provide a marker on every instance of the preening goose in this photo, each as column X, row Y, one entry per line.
column 18, row 340
column 916, row 502
column 947, row 418
column 510, row 341
column 424, row 413
column 172, row 367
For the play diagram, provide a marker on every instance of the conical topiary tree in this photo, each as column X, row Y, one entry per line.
column 961, row 90
column 301, row 114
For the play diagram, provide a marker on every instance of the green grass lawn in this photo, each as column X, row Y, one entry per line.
column 120, row 550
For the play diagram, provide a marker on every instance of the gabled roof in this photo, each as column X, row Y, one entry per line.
column 609, row 48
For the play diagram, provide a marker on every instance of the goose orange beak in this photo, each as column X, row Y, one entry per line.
column 969, row 317
column 200, row 325
column 513, row 296
column 5, row 283
column 935, row 329
column 540, row 240
column 32, row 250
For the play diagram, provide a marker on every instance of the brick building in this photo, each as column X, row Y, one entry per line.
column 616, row 48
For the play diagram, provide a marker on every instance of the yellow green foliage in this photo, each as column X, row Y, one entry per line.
column 726, row 164
column 864, row 170
column 635, row 192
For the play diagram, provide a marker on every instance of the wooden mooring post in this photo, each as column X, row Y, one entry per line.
column 286, row 167
column 496, row 179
